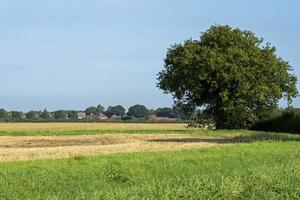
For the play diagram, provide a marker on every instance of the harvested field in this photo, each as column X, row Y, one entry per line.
column 53, row 147
column 89, row 126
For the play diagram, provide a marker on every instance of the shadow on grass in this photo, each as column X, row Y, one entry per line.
column 256, row 137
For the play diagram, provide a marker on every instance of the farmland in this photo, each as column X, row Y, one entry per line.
column 150, row 161
column 60, row 129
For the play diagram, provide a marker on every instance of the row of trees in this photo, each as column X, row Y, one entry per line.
column 32, row 115
column 136, row 111
column 118, row 110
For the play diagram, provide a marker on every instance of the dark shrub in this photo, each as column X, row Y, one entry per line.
column 286, row 121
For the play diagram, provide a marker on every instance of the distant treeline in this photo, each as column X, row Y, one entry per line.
column 99, row 113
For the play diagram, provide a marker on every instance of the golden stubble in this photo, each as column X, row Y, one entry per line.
column 20, row 148
column 89, row 126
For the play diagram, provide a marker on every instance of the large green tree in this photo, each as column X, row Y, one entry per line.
column 230, row 74
column 138, row 111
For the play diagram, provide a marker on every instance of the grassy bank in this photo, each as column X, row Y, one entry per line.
column 261, row 170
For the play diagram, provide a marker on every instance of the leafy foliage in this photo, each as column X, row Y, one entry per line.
column 16, row 115
column 72, row 114
column 31, row 115
column 3, row 114
column 165, row 112
column 115, row 110
column 91, row 110
column 285, row 121
column 45, row 114
column 60, row 114
column 228, row 73
column 138, row 111
column 100, row 109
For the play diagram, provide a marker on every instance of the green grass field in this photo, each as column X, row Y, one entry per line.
column 262, row 166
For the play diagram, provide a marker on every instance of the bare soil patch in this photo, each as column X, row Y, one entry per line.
column 54, row 147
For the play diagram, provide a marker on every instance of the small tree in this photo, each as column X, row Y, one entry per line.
column 138, row 111
column 228, row 73
column 91, row 110
column 165, row 112
column 100, row 109
column 16, row 115
column 115, row 110
column 72, row 114
column 3, row 114
column 45, row 114
column 60, row 114
column 31, row 115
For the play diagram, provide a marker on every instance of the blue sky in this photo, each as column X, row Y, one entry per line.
column 69, row 54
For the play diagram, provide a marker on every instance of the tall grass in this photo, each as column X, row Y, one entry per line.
column 263, row 170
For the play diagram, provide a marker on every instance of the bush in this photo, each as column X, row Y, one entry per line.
column 284, row 121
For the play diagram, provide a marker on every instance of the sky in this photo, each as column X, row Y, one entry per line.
column 70, row 54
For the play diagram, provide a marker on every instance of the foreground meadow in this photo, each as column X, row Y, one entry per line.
column 145, row 161
column 268, row 170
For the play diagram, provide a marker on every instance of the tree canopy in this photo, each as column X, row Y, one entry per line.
column 31, row 115
column 100, row 108
column 45, row 114
column 230, row 74
column 60, row 114
column 94, row 110
column 165, row 112
column 16, row 115
column 115, row 110
column 138, row 111
column 72, row 114
column 3, row 114
column 91, row 110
